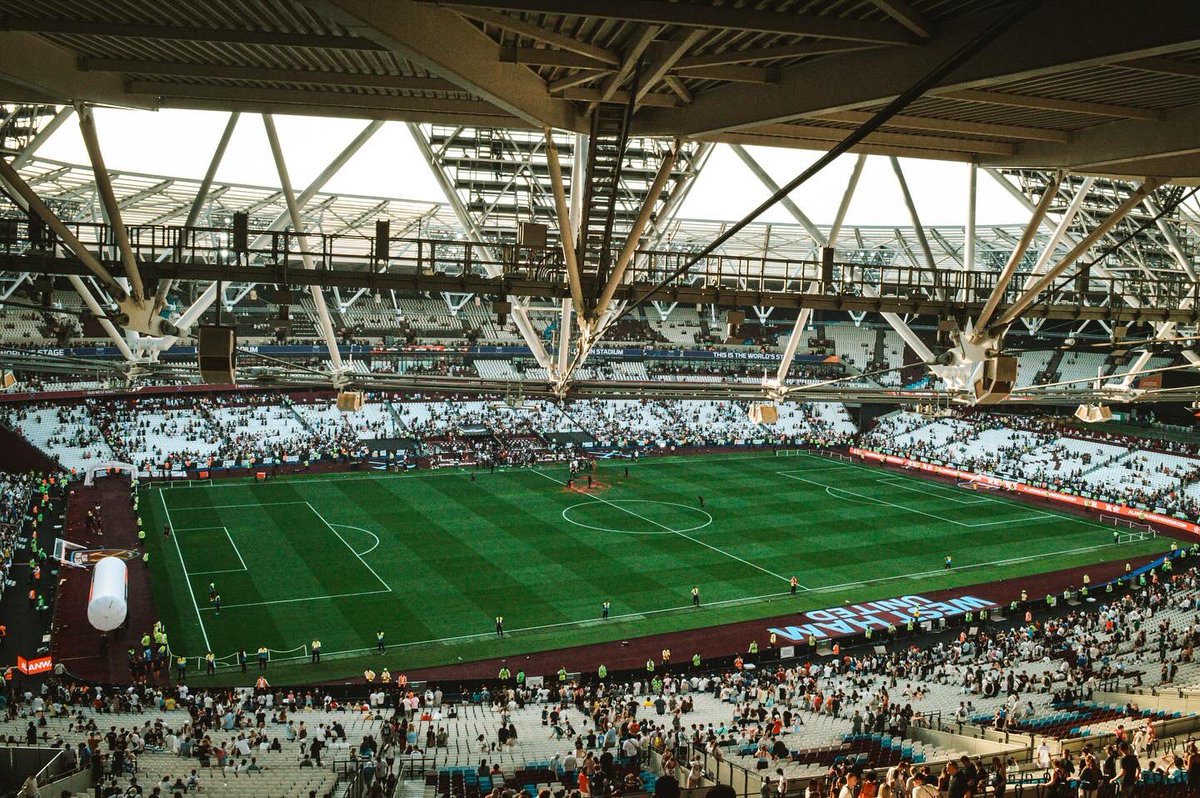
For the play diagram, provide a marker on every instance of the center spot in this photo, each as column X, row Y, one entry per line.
column 637, row 517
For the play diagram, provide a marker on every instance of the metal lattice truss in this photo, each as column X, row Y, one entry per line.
column 1095, row 86
column 1094, row 248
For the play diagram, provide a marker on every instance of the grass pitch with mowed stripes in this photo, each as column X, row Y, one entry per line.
column 432, row 558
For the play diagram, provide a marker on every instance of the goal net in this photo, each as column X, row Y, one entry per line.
column 104, row 469
column 1136, row 529
column 1134, row 537
column 62, row 552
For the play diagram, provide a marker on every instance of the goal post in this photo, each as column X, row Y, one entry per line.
column 1136, row 530
column 104, row 469
column 62, row 552
column 1135, row 536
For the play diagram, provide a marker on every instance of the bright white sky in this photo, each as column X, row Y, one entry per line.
column 180, row 144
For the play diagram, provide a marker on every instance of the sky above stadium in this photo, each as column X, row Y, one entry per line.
column 180, row 143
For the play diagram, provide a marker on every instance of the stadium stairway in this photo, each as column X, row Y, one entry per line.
column 879, row 352
column 300, row 419
column 1103, row 464
column 1053, row 368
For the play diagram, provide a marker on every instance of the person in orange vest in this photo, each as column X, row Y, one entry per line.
column 837, row 649
column 738, row 663
column 32, row 598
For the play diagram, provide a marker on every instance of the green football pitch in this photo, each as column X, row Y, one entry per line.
column 431, row 558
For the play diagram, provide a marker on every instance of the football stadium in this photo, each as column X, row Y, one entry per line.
column 528, row 399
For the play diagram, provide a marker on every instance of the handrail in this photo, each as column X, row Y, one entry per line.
column 406, row 255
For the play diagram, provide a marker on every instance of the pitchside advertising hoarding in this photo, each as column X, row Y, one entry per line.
column 35, row 666
column 855, row 619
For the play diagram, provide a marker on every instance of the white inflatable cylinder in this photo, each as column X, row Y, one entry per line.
column 107, row 603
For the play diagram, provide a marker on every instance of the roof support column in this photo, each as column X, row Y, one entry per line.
column 793, row 343
column 786, row 201
column 968, row 262
column 324, row 322
column 565, row 231
column 922, row 239
column 1010, row 268
column 905, row 332
column 87, row 126
column 564, row 335
column 88, row 299
column 1060, row 231
column 835, row 232
column 332, row 168
column 164, row 287
column 1031, row 294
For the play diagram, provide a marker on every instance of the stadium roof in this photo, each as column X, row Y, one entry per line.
column 1097, row 86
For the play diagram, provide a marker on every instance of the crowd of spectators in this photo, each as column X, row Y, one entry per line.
column 1143, row 472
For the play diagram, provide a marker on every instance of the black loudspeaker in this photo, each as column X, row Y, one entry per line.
column 1083, row 279
column 241, row 232
column 827, row 265
column 733, row 320
column 37, row 230
column 383, row 235
column 532, row 234
column 214, row 351
column 502, row 307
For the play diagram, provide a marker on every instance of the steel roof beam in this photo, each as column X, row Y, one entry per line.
column 324, row 323
column 906, row 15
column 1167, row 147
column 985, row 129
column 706, row 16
column 41, row 137
column 1011, row 100
column 186, row 33
column 1033, row 49
column 538, row 33
column 256, row 73
column 665, row 56
column 439, row 40
column 346, row 106
column 772, row 53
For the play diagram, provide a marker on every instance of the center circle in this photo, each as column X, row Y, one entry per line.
column 631, row 512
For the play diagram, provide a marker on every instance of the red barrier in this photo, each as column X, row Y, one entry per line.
column 1142, row 516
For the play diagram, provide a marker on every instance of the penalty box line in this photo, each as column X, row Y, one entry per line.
column 602, row 500
column 386, row 587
